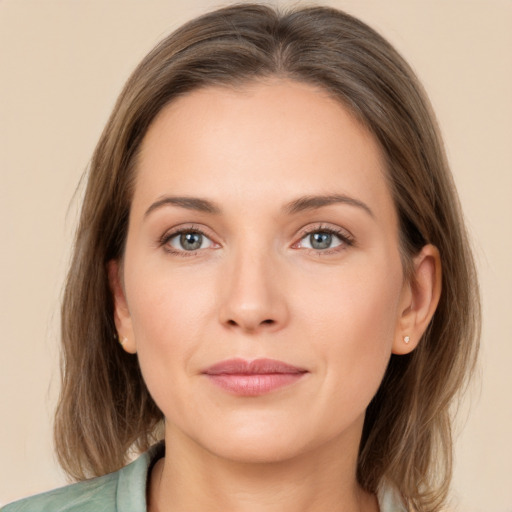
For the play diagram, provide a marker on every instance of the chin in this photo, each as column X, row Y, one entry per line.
column 257, row 451
column 261, row 442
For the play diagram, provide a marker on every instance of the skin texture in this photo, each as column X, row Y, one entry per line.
column 257, row 288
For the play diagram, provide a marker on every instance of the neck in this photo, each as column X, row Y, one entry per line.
column 194, row 479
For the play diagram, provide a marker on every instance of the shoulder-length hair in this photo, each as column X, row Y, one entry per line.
column 105, row 408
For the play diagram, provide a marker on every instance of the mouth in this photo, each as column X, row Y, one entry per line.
column 253, row 378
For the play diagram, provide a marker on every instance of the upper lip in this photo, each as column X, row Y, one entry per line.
column 255, row 367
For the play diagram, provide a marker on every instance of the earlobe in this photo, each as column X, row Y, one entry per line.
column 122, row 317
column 419, row 300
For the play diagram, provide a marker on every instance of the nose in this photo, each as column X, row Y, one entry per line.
column 254, row 294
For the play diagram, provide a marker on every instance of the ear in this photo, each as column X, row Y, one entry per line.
column 420, row 296
column 122, row 317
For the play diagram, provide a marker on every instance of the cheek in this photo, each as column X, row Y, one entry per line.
column 170, row 312
column 166, row 304
column 353, row 321
column 360, row 299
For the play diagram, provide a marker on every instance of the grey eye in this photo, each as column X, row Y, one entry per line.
column 190, row 241
column 320, row 240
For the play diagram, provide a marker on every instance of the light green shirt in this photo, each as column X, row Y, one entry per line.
column 123, row 491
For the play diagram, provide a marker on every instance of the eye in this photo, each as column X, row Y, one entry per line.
column 324, row 239
column 188, row 241
column 320, row 240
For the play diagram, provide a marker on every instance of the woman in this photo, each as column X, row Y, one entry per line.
column 271, row 233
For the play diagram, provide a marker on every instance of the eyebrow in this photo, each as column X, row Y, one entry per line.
column 190, row 203
column 313, row 202
column 301, row 204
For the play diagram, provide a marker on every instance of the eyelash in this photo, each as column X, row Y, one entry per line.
column 346, row 239
column 167, row 237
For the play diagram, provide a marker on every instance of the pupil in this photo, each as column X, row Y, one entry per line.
column 191, row 241
column 321, row 240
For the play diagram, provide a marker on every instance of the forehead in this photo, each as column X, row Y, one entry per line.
column 265, row 139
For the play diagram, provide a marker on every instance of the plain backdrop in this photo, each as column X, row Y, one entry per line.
column 62, row 64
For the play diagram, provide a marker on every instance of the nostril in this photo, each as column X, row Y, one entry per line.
column 249, row 322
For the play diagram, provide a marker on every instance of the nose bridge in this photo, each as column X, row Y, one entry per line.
column 254, row 296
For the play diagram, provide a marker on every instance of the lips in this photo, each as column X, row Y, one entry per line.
column 253, row 378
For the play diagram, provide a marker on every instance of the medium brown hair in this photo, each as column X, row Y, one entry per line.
column 105, row 408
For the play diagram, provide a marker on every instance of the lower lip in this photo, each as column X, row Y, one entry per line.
column 254, row 384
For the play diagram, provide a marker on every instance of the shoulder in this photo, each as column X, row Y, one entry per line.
column 123, row 490
column 95, row 494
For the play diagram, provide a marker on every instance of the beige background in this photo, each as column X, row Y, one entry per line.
column 62, row 64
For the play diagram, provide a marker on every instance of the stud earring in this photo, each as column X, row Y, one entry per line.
column 407, row 339
column 123, row 341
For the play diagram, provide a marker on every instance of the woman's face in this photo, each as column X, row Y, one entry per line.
column 261, row 228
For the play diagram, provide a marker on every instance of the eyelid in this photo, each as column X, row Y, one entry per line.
column 346, row 238
column 163, row 241
column 344, row 235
